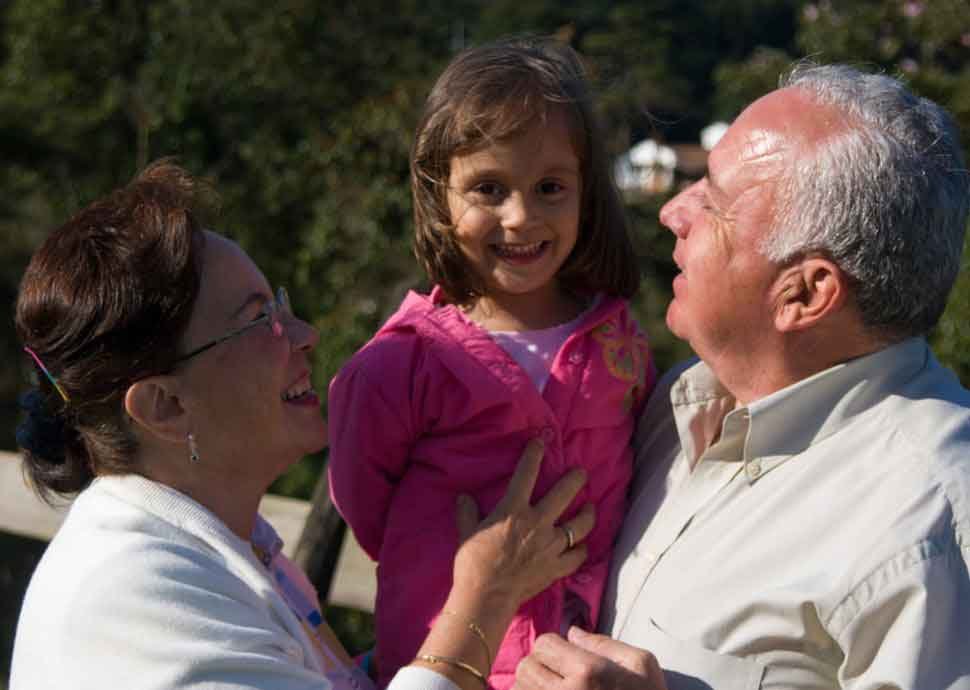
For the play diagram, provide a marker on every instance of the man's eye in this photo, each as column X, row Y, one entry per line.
column 706, row 204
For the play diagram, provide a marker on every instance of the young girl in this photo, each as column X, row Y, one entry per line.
column 525, row 334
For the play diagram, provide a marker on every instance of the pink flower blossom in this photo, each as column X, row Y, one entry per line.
column 914, row 8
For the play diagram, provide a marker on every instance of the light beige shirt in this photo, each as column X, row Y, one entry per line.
column 822, row 542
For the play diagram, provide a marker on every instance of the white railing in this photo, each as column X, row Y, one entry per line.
column 354, row 582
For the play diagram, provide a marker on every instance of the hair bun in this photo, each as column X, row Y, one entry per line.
column 42, row 433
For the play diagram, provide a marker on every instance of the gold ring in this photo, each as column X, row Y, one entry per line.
column 570, row 537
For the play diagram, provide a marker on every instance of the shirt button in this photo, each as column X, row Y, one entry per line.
column 548, row 434
column 754, row 469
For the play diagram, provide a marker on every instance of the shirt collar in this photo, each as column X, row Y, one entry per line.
column 700, row 404
column 785, row 423
column 266, row 542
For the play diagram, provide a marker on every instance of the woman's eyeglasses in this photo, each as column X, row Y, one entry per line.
column 272, row 317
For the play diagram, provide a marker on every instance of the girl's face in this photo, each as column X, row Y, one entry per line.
column 515, row 207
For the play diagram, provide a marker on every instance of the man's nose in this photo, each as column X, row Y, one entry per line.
column 675, row 215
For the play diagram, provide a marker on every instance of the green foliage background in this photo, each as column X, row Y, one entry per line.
column 301, row 113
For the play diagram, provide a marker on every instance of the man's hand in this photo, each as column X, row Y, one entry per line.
column 587, row 662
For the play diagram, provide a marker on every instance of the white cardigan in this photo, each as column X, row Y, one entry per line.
column 144, row 589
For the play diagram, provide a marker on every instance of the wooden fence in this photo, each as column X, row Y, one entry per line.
column 353, row 583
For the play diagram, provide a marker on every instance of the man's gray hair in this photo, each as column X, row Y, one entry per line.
column 886, row 198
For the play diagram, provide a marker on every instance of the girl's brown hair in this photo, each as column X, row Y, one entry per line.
column 491, row 93
column 104, row 301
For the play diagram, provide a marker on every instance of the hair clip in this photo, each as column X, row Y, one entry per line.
column 47, row 374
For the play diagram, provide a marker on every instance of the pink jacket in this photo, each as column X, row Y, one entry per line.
column 432, row 407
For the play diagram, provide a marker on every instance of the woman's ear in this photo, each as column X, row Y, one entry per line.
column 809, row 292
column 154, row 404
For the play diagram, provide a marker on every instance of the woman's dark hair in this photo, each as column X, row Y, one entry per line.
column 495, row 92
column 104, row 302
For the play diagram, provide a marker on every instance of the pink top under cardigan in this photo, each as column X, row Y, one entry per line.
column 431, row 408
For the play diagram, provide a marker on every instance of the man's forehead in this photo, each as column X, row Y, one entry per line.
column 752, row 145
column 771, row 130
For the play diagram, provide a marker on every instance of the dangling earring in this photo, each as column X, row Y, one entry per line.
column 193, row 449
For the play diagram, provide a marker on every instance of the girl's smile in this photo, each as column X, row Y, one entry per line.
column 520, row 253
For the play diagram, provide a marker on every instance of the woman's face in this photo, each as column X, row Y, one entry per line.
column 251, row 405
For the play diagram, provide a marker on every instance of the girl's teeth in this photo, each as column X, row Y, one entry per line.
column 518, row 249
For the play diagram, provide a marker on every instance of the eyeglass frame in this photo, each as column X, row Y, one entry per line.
column 274, row 308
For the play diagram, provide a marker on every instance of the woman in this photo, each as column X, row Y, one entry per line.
column 176, row 387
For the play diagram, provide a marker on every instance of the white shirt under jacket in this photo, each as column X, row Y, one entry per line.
column 142, row 588
column 822, row 542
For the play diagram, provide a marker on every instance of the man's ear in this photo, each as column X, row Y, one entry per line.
column 154, row 404
column 808, row 292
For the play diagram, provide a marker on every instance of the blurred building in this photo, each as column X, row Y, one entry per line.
column 651, row 167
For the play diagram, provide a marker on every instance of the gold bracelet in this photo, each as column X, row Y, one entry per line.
column 457, row 663
column 479, row 633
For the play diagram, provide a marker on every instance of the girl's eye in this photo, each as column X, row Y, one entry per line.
column 549, row 187
column 487, row 189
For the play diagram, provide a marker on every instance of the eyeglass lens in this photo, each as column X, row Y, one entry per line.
column 280, row 306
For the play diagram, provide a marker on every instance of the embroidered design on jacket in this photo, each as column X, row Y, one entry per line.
column 625, row 353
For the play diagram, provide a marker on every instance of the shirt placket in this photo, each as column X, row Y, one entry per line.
column 716, row 468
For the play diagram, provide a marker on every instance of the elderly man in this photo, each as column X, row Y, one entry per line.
column 801, row 512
